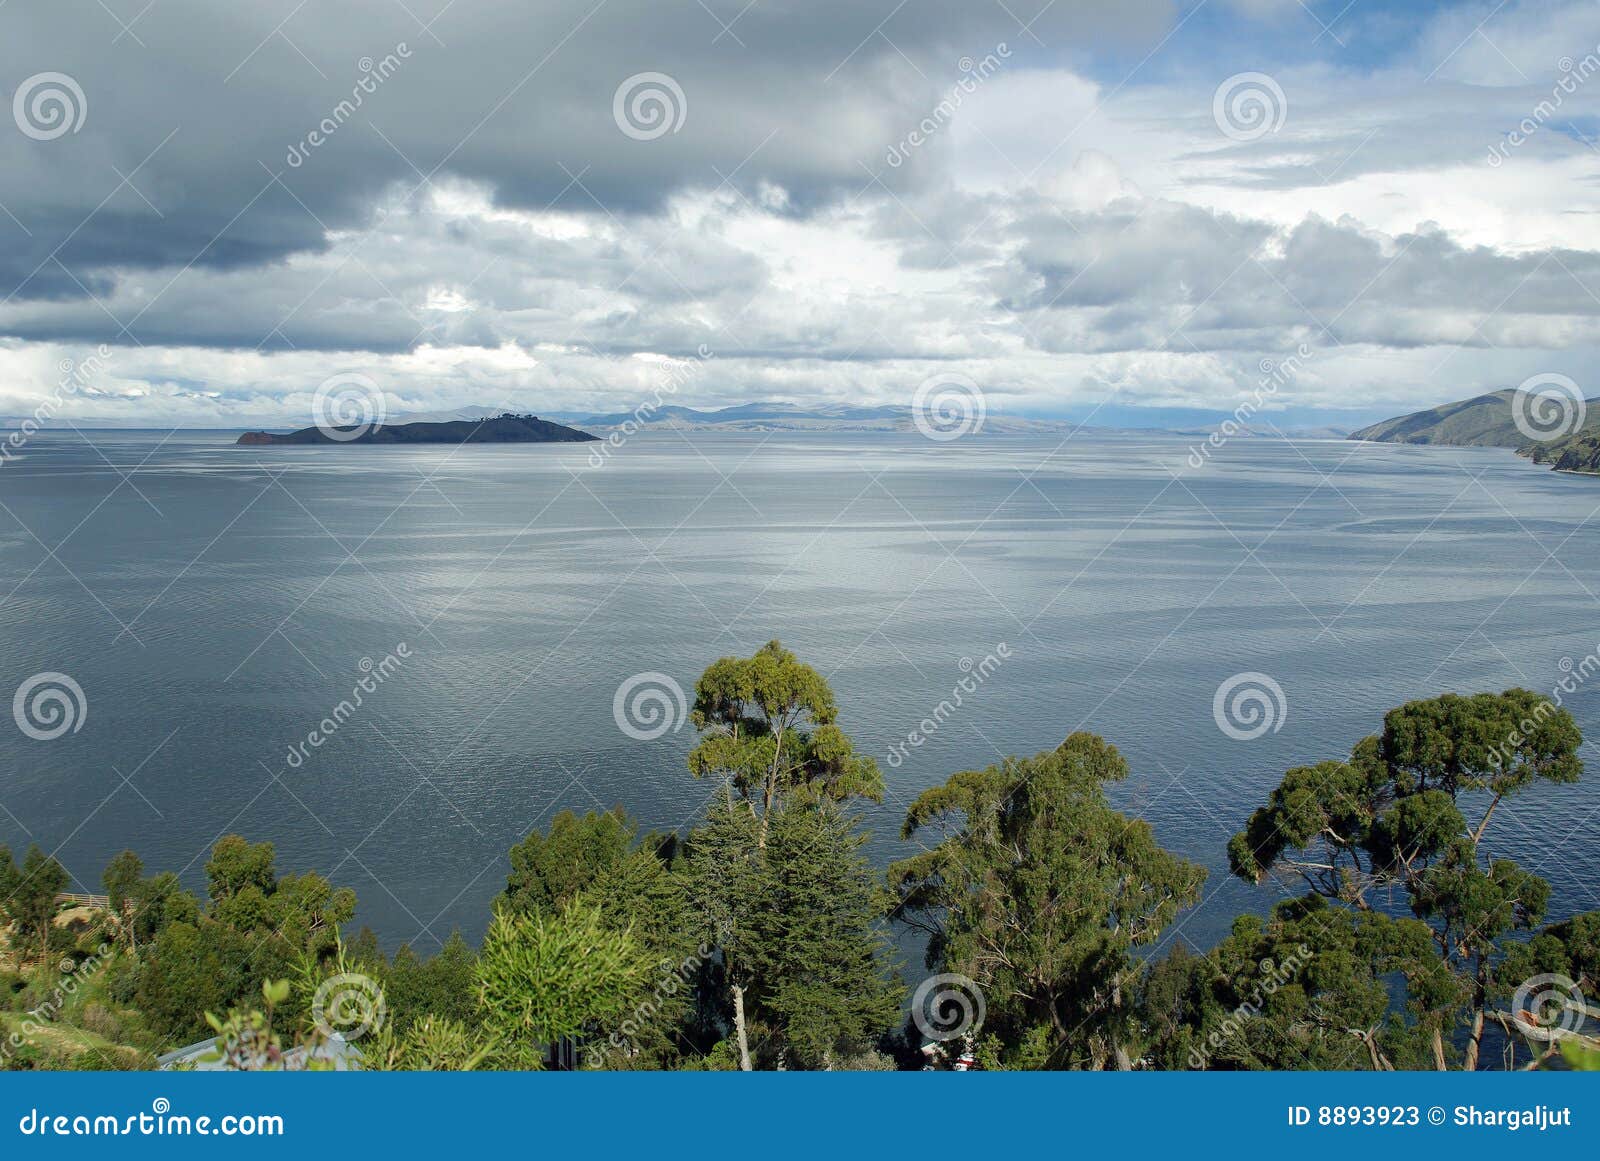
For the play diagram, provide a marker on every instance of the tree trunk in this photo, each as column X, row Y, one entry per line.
column 739, row 1028
column 1477, row 835
column 1438, row 1050
column 1470, row 1064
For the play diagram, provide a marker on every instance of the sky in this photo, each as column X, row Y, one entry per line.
column 1079, row 208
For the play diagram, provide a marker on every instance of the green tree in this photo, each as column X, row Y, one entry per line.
column 236, row 865
column 1391, row 818
column 1039, row 891
column 194, row 968
column 441, row 987
column 599, row 860
column 769, row 725
column 29, row 902
column 123, row 880
column 812, row 942
column 551, row 975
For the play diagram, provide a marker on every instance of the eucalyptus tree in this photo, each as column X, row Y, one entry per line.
column 1393, row 817
column 1036, row 889
column 794, row 956
column 769, row 726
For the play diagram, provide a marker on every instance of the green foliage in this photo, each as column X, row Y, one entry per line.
column 769, row 726
column 1391, row 817
column 1038, row 890
column 548, row 870
column 439, row 988
column 546, row 976
column 431, row 1044
column 808, row 938
column 28, row 901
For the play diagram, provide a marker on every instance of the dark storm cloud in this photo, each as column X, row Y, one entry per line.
column 197, row 104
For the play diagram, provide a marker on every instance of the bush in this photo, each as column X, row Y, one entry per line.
column 120, row 980
column 101, row 1021
column 11, row 983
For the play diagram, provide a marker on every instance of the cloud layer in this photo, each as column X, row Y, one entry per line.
column 456, row 200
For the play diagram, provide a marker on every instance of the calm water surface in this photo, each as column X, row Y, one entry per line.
column 216, row 602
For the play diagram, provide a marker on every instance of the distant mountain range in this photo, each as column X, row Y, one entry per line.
column 783, row 416
column 778, row 416
column 1489, row 421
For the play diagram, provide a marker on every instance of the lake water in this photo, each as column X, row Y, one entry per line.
column 214, row 603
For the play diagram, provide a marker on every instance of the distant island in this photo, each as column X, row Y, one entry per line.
column 1489, row 421
column 505, row 428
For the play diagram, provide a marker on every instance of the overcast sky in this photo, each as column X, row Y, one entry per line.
column 1074, row 203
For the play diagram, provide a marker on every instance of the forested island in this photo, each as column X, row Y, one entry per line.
column 760, row 938
column 507, row 428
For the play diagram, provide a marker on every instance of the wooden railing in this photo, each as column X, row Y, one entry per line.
column 75, row 899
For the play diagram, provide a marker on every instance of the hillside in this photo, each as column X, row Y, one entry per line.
column 505, row 428
column 1483, row 421
column 1576, row 453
